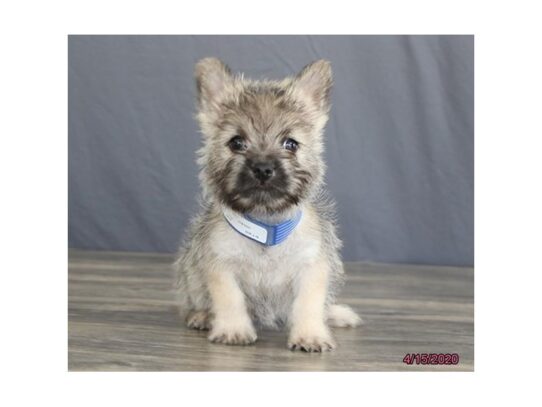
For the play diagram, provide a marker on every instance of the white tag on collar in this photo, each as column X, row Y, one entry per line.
column 245, row 226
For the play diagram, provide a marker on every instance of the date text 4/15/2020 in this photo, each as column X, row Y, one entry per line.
column 431, row 359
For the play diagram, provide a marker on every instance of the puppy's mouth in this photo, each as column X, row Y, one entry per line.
column 268, row 197
column 252, row 193
column 261, row 189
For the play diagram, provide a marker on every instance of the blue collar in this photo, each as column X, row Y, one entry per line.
column 263, row 233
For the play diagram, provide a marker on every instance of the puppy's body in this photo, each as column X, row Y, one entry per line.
column 229, row 283
column 268, row 276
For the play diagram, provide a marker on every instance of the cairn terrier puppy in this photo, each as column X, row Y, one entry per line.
column 263, row 252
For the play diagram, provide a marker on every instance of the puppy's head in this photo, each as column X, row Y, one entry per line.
column 263, row 145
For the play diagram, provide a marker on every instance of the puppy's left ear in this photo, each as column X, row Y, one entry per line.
column 213, row 80
column 314, row 82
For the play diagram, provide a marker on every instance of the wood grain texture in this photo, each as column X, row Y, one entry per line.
column 123, row 317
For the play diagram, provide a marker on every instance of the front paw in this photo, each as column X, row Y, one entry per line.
column 316, row 340
column 233, row 334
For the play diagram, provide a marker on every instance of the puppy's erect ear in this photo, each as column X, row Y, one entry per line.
column 314, row 82
column 213, row 78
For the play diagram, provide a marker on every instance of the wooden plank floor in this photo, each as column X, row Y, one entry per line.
column 123, row 317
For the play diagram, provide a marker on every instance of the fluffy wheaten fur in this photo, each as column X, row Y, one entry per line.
column 262, row 156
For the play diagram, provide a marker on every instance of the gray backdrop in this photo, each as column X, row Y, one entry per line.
column 399, row 141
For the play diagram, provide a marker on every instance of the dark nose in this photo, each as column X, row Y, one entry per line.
column 263, row 171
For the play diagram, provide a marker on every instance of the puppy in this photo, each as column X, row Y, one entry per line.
column 263, row 251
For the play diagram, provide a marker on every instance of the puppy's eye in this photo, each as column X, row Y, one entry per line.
column 237, row 143
column 291, row 145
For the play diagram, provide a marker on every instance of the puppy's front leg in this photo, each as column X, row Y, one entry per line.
column 308, row 329
column 231, row 324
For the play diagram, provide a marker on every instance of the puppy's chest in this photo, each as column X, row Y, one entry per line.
column 251, row 257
